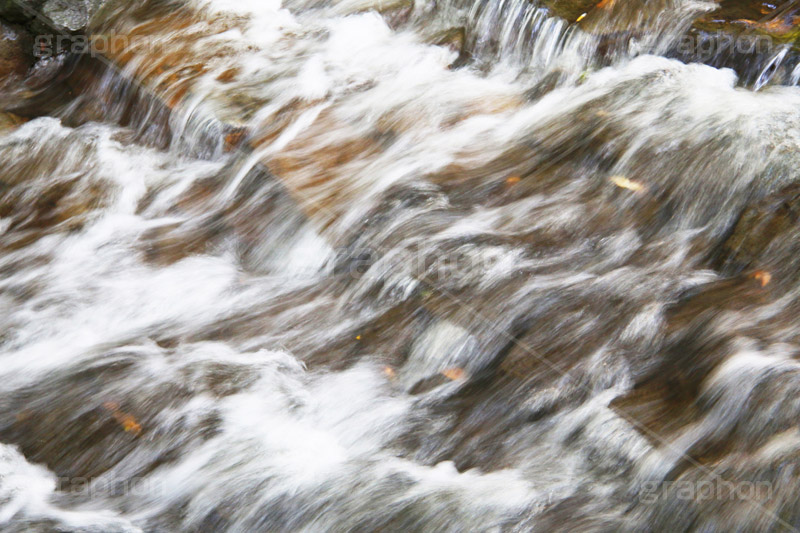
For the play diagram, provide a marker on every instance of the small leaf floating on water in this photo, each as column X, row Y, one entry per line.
column 625, row 183
column 512, row 180
column 583, row 16
column 455, row 374
column 130, row 424
column 358, row 337
column 763, row 276
column 389, row 372
column 127, row 421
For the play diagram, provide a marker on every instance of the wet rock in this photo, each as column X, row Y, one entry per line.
column 570, row 9
column 396, row 13
column 61, row 203
column 167, row 245
column 171, row 73
column 39, row 197
column 51, row 83
column 741, row 485
column 19, row 10
column 391, row 7
column 89, row 426
column 10, row 121
column 775, row 18
column 699, row 367
column 619, row 20
column 71, row 15
column 764, row 237
column 16, row 48
column 454, row 39
column 757, row 39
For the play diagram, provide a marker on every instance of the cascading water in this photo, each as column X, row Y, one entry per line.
column 343, row 266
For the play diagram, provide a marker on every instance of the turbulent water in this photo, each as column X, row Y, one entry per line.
column 353, row 277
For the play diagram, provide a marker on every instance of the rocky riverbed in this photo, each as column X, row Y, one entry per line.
column 399, row 266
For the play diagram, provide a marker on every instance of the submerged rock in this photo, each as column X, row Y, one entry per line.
column 764, row 237
column 570, row 9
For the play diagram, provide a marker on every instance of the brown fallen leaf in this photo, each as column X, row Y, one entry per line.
column 127, row 421
column 129, row 424
column 763, row 276
column 455, row 373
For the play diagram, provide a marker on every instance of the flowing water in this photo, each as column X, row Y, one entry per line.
column 328, row 270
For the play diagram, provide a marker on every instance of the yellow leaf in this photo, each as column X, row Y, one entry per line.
column 625, row 183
